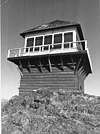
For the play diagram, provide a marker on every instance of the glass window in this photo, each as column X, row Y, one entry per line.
column 30, row 42
column 38, row 41
column 68, row 37
column 48, row 39
column 58, row 38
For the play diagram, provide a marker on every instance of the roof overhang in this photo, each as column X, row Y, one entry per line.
column 78, row 26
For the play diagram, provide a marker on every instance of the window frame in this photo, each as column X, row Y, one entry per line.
column 45, row 36
column 35, row 40
column 74, row 32
column 66, row 33
column 74, row 37
column 57, row 34
column 26, row 42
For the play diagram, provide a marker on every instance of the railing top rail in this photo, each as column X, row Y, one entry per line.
column 48, row 45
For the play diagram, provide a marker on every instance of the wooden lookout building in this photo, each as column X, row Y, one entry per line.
column 54, row 56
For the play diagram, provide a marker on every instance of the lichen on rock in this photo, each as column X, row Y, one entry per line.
column 52, row 112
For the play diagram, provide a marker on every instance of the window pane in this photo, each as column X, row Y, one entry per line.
column 68, row 37
column 58, row 38
column 38, row 41
column 30, row 42
column 48, row 39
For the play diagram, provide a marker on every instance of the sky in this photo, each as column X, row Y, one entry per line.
column 20, row 15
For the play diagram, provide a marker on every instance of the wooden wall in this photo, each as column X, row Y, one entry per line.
column 56, row 76
column 56, row 79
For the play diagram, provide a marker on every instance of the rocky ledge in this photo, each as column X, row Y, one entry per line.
column 52, row 112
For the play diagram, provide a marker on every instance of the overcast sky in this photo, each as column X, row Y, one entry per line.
column 20, row 15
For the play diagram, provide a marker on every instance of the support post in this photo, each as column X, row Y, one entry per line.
column 78, row 64
column 29, row 66
column 40, row 65
column 8, row 53
column 20, row 66
column 50, row 64
column 73, row 63
column 19, row 52
column 19, row 70
column 62, row 63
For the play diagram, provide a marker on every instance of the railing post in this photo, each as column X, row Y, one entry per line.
column 69, row 44
column 28, row 49
column 42, row 47
column 49, row 48
column 62, row 41
column 33, row 49
column 62, row 47
column 39, row 48
column 8, row 53
column 19, row 52
column 85, row 44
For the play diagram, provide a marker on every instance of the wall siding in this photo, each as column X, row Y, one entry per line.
column 57, row 74
column 57, row 79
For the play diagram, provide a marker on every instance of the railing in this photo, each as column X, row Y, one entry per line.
column 78, row 45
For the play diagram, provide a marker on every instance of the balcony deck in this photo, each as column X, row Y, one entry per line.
column 66, row 47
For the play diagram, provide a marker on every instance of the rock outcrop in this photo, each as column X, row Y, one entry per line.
column 52, row 112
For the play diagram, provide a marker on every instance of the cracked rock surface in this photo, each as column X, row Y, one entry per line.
column 52, row 112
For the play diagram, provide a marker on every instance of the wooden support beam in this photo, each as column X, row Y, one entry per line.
column 84, row 75
column 19, row 70
column 50, row 67
column 29, row 66
column 73, row 63
column 40, row 65
column 62, row 64
column 78, row 64
column 20, row 66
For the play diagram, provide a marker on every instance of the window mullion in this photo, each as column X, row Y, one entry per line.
column 33, row 44
column 62, row 40
column 74, row 39
column 52, row 40
column 43, row 44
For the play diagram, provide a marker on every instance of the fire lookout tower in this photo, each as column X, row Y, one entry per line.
column 55, row 56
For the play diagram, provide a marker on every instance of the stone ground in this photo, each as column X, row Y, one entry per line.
column 52, row 112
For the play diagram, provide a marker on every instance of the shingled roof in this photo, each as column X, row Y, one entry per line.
column 52, row 25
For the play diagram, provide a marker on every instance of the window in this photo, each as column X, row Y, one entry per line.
column 48, row 39
column 68, row 37
column 38, row 41
column 30, row 42
column 57, row 39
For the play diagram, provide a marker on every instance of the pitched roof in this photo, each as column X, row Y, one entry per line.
column 50, row 25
